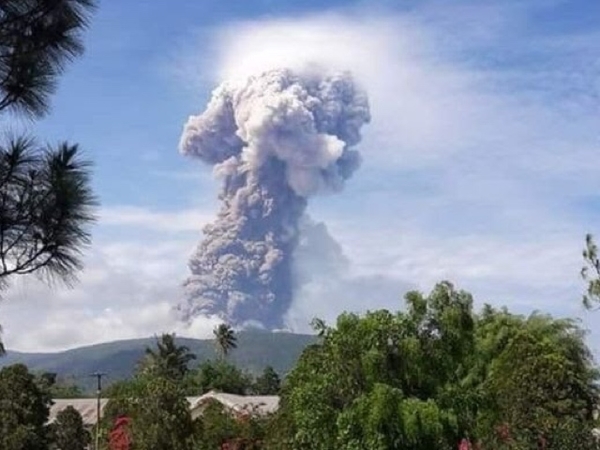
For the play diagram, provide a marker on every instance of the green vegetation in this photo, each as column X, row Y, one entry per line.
column 25, row 400
column 428, row 377
column 225, row 339
column 256, row 350
column 24, row 408
column 154, row 401
column 218, row 375
column 217, row 426
column 168, row 360
column 68, row 432
column 439, row 373
column 159, row 413
column 268, row 383
column 58, row 388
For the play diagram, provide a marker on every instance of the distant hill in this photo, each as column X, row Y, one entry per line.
column 256, row 349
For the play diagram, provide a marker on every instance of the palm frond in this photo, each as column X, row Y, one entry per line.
column 225, row 339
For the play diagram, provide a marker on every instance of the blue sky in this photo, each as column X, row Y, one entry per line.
column 480, row 165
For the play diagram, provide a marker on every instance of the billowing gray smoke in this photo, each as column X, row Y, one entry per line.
column 275, row 140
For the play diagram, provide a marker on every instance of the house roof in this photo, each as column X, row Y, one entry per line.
column 261, row 404
column 87, row 407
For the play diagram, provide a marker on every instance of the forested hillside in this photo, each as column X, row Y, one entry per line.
column 256, row 350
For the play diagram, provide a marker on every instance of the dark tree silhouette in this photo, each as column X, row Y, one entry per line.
column 169, row 359
column 46, row 201
column 37, row 39
column 24, row 410
column 268, row 383
column 68, row 432
column 225, row 339
column 46, row 207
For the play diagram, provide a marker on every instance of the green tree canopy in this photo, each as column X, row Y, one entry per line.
column 68, row 431
column 436, row 373
column 168, row 359
column 24, row 409
column 159, row 412
column 382, row 368
column 268, row 383
column 542, row 378
column 218, row 428
column 225, row 339
column 57, row 387
column 46, row 207
column 218, row 376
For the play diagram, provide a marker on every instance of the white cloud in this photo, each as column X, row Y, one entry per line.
column 411, row 92
column 475, row 169
column 495, row 149
column 127, row 290
column 190, row 220
column 442, row 86
column 526, row 275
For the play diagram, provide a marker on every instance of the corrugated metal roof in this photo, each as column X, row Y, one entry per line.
column 87, row 407
column 262, row 404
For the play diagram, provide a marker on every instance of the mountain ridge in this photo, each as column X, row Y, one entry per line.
column 256, row 350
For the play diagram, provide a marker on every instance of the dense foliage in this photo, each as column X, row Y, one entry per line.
column 167, row 360
column 68, row 431
column 24, row 409
column 429, row 377
column 218, row 375
column 432, row 376
column 155, row 408
column 159, row 413
column 225, row 339
column 268, row 383
column 217, row 427
column 436, row 374
column 25, row 400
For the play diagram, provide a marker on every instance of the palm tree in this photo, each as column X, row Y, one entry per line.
column 169, row 359
column 225, row 339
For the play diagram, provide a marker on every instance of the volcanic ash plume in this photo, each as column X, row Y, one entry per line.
column 274, row 140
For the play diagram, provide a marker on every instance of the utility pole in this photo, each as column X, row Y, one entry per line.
column 98, row 376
